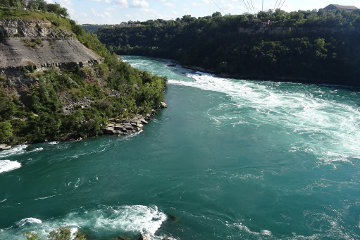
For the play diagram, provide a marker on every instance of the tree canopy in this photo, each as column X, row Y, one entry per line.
column 35, row 5
column 308, row 46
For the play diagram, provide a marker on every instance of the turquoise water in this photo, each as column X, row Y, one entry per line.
column 230, row 159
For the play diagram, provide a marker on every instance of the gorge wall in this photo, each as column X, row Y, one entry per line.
column 37, row 44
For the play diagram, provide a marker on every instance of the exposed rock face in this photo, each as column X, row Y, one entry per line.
column 14, row 53
column 53, row 47
column 125, row 126
column 31, row 29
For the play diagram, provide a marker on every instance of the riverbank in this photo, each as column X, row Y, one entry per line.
column 127, row 126
column 298, row 49
column 272, row 78
column 283, row 79
column 115, row 126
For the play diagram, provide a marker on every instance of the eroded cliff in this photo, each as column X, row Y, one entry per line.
column 39, row 44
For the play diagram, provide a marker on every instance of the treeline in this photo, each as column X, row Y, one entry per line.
column 308, row 46
column 35, row 5
column 109, row 89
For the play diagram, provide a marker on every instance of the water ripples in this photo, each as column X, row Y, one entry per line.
column 321, row 121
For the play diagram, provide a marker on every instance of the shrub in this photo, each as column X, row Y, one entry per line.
column 6, row 131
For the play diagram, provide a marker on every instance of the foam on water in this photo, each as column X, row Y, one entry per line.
column 18, row 150
column 244, row 228
column 29, row 221
column 7, row 165
column 36, row 150
column 133, row 219
column 43, row 198
column 325, row 226
column 13, row 151
column 326, row 127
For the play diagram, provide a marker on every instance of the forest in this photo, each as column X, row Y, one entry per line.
column 318, row 46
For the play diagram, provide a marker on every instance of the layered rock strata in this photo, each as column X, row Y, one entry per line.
column 39, row 44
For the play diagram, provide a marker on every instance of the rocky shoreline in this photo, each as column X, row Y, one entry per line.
column 118, row 126
column 129, row 126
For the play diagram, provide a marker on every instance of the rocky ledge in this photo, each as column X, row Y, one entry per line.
column 126, row 126
column 130, row 125
column 120, row 126
column 4, row 147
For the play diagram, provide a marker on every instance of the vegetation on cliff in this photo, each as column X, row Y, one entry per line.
column 34, row 5
column 308, row 46
column 61, row 103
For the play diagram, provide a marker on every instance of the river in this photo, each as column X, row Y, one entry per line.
column 228, row 159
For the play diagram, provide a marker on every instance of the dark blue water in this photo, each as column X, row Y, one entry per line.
column 229, row 159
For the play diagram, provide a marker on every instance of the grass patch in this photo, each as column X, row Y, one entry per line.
column 33, row 43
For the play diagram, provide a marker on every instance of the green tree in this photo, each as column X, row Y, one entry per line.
column 6, row 131
column 37, row 5
column 320, row 49
column 57, row 9
column 216, row 14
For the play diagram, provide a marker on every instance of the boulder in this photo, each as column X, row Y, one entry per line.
column 163, row 105
column 128, row 126
column 172, row 218
column 109, row 130
column 144, row 237
column 4, row 147
column 143, row 121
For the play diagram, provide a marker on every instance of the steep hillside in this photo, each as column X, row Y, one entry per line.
column 57, row 82
column 305, row 46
